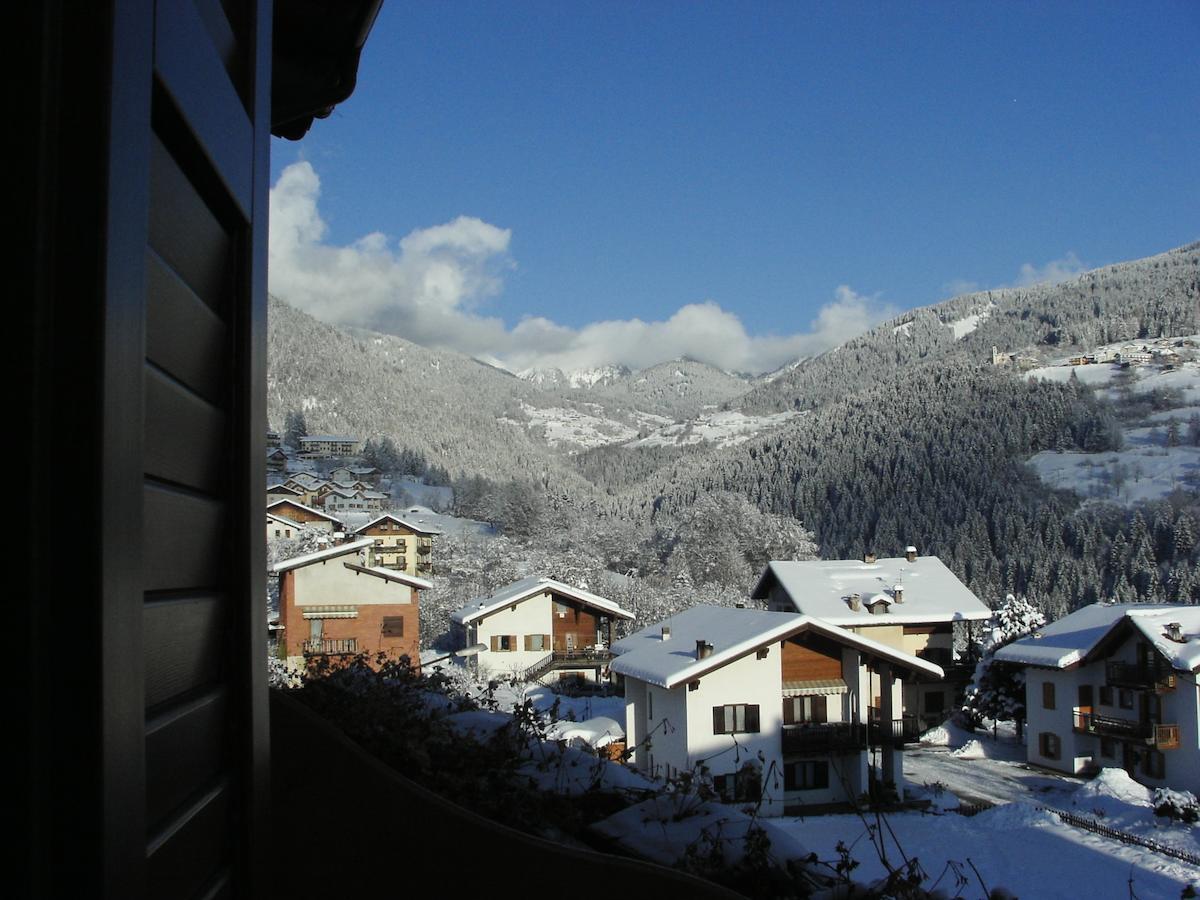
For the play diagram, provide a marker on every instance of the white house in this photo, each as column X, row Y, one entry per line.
column 910, row 603
column 781, row 706
column 1115, row 684
column 539, row 627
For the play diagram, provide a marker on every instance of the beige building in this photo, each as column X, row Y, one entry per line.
column 326, row 446
column 910, row 603
column 400, row 545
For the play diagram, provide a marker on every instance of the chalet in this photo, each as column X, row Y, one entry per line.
column 399, row 544
column 1115, row 684
column 909, row 602
column 276, row 460
column 341, row 500
column 783, row 707
column 334, row 603
column 539, row 627
column 327, row 446
column 367, row 474
column 280, row 491
column 273, row 439
column 281, row 528
column 303, row 515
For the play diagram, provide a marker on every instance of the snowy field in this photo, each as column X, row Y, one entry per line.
column 561, row 426
column 723, row 429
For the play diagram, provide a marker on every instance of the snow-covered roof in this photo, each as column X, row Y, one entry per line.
column 321, row 555
column 392, row 575
column 733, row 633
column 281, row 520
column 420, row 529
column 272, row 488
column 285, row 502
column 823, row 587
column 530, row 587
column 322, row 438
column 1069, row 640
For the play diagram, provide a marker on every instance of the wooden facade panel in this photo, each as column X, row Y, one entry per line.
column 185, row 233
column 185, row 752
column 185, row 435
column 183, row 335
column 193, row 852
column 183, row 642
column 815, row 659
column 576, row 628
column 184, row 540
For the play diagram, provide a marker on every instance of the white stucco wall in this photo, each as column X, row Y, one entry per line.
column 330, row 582
column 531, row 616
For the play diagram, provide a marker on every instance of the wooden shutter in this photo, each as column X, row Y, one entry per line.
column 529, row 642
column 820, row 708
column 789, row 710
column 393, row 626
column 718, row 720
column 495, row 641
column 752, row 717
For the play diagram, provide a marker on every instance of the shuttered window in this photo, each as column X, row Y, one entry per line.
column 736, row 718
column 393, row 626
column 812, row 709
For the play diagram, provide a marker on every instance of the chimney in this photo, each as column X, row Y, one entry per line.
column 898, row 592
column 910, row 553
column 869, row 558
column 666, row 632
column 703, row 649
column 1174, row 632
column 856, row 602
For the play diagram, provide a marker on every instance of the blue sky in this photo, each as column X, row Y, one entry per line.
column 724, row 172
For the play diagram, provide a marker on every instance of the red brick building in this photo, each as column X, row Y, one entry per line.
column 334, row 603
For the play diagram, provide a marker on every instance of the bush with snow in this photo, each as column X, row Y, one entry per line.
column 1179, row 805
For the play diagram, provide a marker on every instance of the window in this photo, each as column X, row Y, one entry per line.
column 502, row 643
column 798, row 710
column 1047, row 695
column 393, row 626
column 737, row 718
column 806, row 776
column 1049, row 745
column 537, row 642
column 649, row 704
column 1106, row 695
column 745, row 786
column 1108, row 748
column 1125, row 696
column 935, row 702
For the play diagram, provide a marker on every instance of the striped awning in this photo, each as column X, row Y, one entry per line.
column 816, row 686
column 341, row 611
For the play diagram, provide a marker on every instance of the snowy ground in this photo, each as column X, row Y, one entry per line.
column 721, row 428
column 1145, row 469
column 561, row 426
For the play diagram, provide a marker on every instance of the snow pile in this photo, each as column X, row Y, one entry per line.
column 939, row 736
column 571, row 771
column 1113, row 796
column 972, row 749
column 598, row 732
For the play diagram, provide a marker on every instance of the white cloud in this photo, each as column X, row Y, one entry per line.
column 958, row 287
column 1053, row 272
column 430, row 286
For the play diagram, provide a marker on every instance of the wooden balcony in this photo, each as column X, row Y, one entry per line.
column 1111, row 726
column 824, row 737
column 1166, row 737
column 330, row 646
column 1154, row 676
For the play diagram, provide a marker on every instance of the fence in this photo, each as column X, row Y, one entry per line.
column 1124, row 836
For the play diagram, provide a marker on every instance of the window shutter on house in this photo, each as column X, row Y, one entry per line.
column 820, row 708
column 718, row 720
column 393, row 626
column 495, row 642
column 789, row 710
column 752, row 718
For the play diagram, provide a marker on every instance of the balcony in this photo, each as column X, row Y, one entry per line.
column 904, row 730
column 1162, row 737
column 1154, row 676
column 330, row 646
column 824, row 737
column 583, row 655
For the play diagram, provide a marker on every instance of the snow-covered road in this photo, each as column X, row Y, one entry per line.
column 992, row 780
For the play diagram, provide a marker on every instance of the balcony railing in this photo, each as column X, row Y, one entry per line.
column 904, row 730
column 583, row 655
column 1166, row 737
column 1152, row 676
column 1111, row 726
column 823, row 737
column 330, row 646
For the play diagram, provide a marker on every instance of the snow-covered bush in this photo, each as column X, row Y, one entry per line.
column 1179, row 805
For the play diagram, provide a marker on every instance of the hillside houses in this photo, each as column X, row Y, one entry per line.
column 1115, row 685
column 399, row 544
column 910, row 603
column 786, row 707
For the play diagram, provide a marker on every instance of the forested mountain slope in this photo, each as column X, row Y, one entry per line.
column 934, row 456
column 1144, row 298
